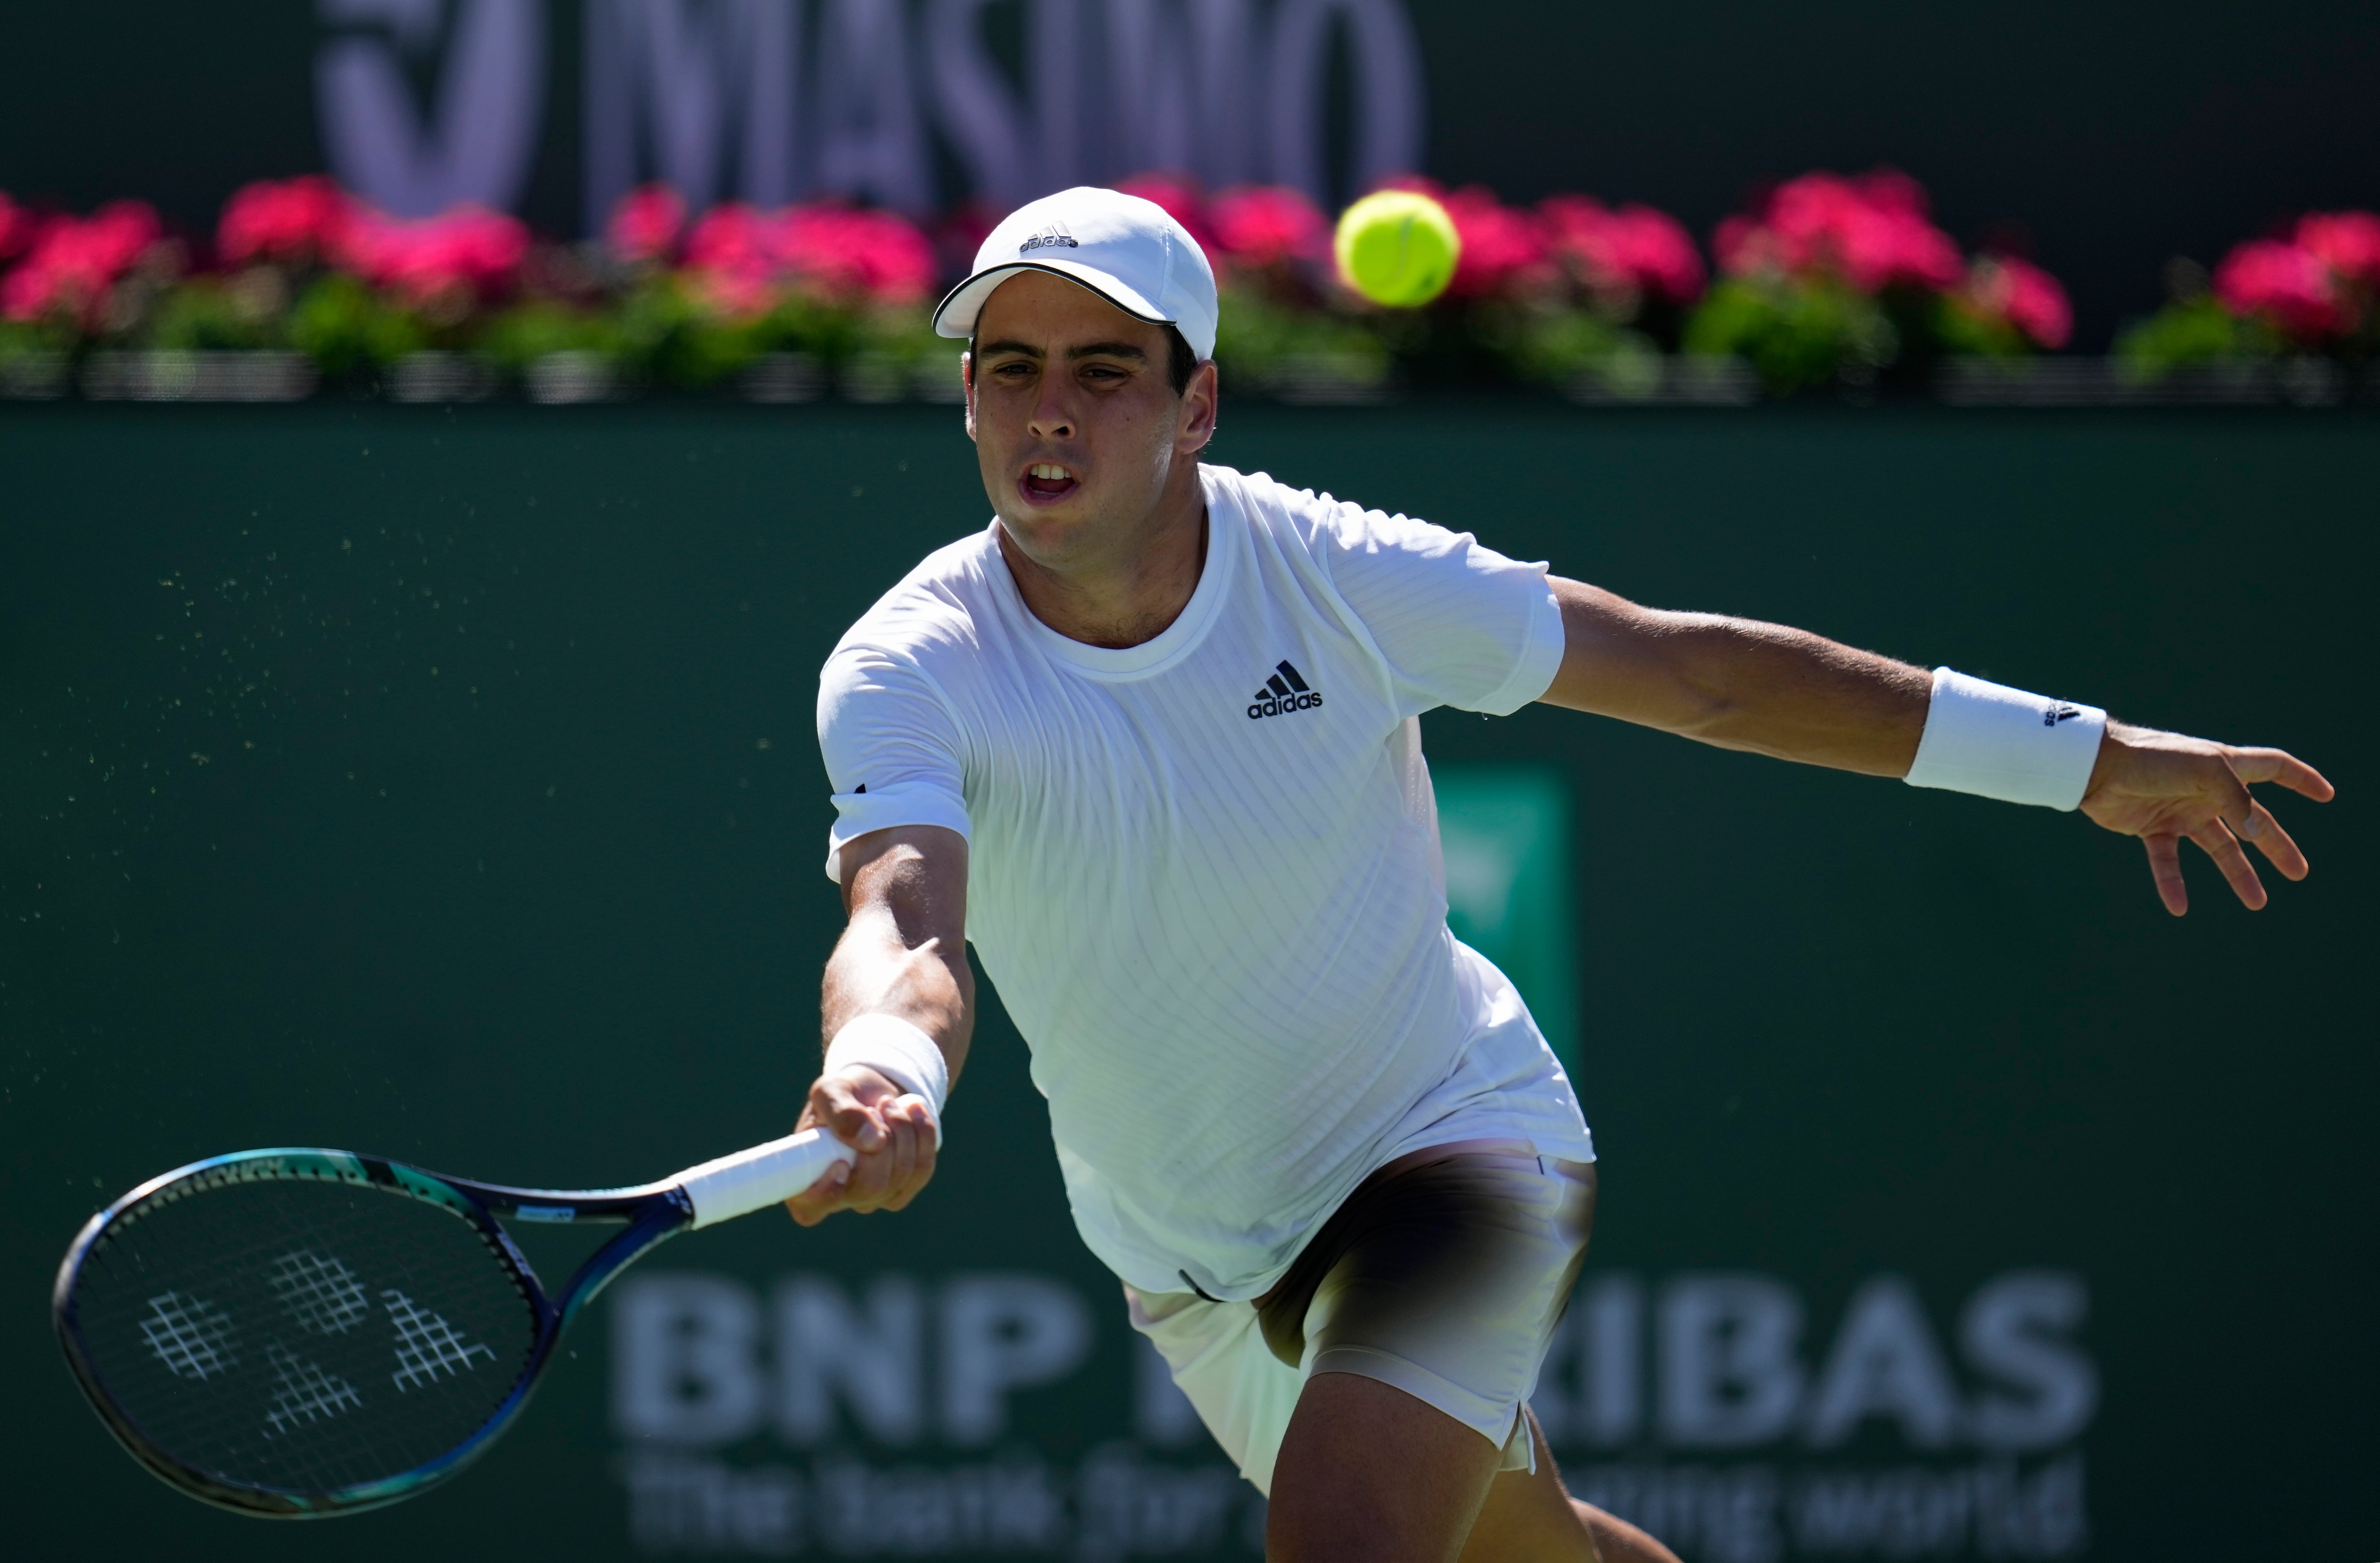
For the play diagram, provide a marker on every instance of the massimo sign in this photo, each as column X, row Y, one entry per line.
column 423, row 106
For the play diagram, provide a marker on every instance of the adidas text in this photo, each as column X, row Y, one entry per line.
column 1270, row 706
column 1285, row 692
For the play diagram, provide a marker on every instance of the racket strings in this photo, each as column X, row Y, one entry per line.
column 303, row 1335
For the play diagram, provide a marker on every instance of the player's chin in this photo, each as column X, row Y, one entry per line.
column 1050, row 531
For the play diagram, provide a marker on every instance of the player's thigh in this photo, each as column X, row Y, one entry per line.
column 1367, row 1473
column 1529, row 1517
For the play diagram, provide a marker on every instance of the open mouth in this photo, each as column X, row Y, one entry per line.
column 1047, row 480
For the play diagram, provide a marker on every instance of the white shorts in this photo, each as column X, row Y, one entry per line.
column 1443, row 1276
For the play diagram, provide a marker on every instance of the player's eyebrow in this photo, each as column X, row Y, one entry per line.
column 1088, row 350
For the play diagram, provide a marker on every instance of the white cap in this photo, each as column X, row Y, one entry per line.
column 1123, row 249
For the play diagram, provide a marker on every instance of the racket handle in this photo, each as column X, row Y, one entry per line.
column 750, row 1179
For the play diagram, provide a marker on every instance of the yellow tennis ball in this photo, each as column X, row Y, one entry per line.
column 1397, row 247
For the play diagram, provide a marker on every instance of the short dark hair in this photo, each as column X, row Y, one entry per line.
column 1181, row 362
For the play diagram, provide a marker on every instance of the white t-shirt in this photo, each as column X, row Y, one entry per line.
column 1204, row 871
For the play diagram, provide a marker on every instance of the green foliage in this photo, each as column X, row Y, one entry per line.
column 515, row 338
column 2198, row 330
column 1556, row 344
column 668, row 331
column 1263, row 345
column 894, row 353
column 247, row 310
column 1797, row 332
column 33, row 358
column 1958, row 329
column 347, row 329
column 25, row 339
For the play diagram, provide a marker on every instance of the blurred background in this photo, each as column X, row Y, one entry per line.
column 443, row 438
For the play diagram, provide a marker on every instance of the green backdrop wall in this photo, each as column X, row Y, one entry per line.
column 441, row 783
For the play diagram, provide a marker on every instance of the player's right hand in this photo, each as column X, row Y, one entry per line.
column 893, row 1133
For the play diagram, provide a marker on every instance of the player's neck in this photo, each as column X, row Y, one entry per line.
column 1132, row 596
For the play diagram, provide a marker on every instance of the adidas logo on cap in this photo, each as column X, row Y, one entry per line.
column 1049, row 237
column 1285, row 692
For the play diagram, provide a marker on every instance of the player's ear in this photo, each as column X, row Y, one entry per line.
column 966, row 381
column 1198, row 410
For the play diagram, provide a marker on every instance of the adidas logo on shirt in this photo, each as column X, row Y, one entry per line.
column 1284, row 692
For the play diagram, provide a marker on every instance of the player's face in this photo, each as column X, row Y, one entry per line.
column 1076, row 424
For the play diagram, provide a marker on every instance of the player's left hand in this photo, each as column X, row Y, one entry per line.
column 2163, row 786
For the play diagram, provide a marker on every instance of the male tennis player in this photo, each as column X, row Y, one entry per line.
column 1150, row 740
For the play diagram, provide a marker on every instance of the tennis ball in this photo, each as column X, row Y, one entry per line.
column 1397, row 247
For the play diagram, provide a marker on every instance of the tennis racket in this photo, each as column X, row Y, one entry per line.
column 297, row 1333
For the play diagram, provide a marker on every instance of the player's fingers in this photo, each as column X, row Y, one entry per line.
column 921, row 1165
column 822, row 1198
column 2279, row 765
column 2278, row 848
column 857, row 1123
column 2165, row 866
column 872, row 1176
column 2233, row 803
column 2219, row 844
column 899, row 1156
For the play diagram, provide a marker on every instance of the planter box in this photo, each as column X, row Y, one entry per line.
column 115, row 375
column 438, row 377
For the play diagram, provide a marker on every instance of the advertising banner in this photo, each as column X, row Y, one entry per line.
column 441, row 785
column 2101, row 142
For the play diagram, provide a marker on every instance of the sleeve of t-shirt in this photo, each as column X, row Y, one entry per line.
column 890, row 747
column 1458, row 625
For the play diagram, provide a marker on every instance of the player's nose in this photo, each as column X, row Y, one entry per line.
column 1051, row 420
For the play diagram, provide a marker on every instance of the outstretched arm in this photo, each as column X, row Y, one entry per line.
column 1743, row 685
column 903, row 955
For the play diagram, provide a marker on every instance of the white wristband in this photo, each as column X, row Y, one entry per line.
column 2001, row 743
column 898, row 1051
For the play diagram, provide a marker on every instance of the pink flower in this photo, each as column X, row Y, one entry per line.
column 18, row 228
column 2002, row 287
column 1743, row 247
column 2348, row 242
column 1871, row 232
column 730, row 237
column 293, row 221
column 1634, row 250
column 1505, row 247
column 2287, row 286
column 1260, row 226
column 73, row 262
column 645, row 224
column 842, row 251
column 745, row 258
column 729, row 251
column 1180, row 197
column 465, row 249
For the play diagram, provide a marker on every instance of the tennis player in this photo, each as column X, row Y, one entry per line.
column 1150, row 740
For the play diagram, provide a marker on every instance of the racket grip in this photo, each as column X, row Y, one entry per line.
column 751, row 1179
